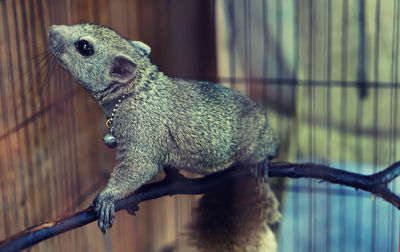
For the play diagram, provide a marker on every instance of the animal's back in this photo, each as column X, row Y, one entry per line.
column 215, row 127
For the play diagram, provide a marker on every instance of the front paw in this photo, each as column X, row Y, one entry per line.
column 104, row 208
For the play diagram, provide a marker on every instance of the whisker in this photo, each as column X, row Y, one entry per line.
column 48, row 75
column 38, row 70
column 47, row 60
column 45, row 53
column 39, row 65
column 46, row 80
column 44, row 58
column 40, row 54
column 32, row 76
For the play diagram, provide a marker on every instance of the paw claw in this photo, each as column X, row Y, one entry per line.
column 105, row 211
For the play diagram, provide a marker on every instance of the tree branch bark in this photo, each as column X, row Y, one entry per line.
column 174, row 183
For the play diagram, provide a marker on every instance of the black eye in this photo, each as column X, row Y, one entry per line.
column 84, row 47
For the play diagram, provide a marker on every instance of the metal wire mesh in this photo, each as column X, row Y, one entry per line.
column 326, row 71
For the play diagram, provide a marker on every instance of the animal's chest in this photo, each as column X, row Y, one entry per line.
column 140, row 129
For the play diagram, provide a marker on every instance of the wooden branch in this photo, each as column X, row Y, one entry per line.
column 375, row 183
column 174, row 183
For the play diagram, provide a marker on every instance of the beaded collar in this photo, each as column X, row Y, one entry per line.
column 109, row 138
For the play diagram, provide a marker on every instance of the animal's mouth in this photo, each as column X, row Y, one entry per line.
column 55, row 47
column 52, row 43
column 57, row 50
column 114, row 87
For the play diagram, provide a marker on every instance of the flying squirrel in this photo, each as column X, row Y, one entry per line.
column 156, row 121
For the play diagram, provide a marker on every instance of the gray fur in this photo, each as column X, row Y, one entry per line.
column 196, row 126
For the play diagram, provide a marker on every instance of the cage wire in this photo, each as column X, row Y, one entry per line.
column 52, row 159
column 326, row 71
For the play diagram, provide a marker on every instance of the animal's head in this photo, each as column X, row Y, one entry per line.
column 97, row 57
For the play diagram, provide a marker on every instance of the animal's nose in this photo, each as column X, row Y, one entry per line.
column 57, row 29
column 54, row 29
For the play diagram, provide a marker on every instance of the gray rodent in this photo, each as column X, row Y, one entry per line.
column 158, row 121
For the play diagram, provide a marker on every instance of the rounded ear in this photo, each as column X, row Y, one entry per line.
column 144, row 49
column 123, row 68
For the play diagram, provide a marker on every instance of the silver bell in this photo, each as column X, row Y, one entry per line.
column 110, row 140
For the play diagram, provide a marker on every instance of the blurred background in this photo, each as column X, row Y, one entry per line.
column 326, row 71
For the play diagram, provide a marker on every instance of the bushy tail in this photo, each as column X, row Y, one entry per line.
column 236, row 217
